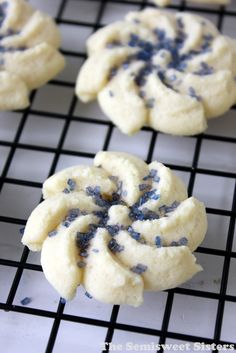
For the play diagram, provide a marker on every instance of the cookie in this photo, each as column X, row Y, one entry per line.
column 28, row 52
column 167, row 2
column 170, row 71
column 118, row 228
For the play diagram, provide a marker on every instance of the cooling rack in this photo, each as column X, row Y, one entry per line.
column 57, row 131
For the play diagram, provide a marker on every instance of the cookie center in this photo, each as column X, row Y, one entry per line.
column 163, row 54
column 115, row 215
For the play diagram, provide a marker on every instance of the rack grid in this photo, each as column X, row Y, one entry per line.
column 58, row 147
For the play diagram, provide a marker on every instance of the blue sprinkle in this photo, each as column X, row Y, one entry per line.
column 136, row 213
column 99, row 214
column 83, row 240
column 209, row 37
column 22, row 230
column 144, row 55
column 149, row 215
column 180, row 23
column 142, row 94
column 66, row 224
column 93, row 191
column 92, row 229
column 149, row 195
column 207, row 41
column 158, row 241
column 134, row 40
column 73, row 214
column 81, row 264
column 152, row 195
column 103, row 217
column 156, row 179
column 152, row 175
column 113, row 229
column 114, row 246
column 172, row 78
column 96, row 194
column 66, row 191
column 167, row 209
column 140, row 80
column 179, row 41
column 161, row 34
column 26, row 301
column 52, row 234
column 113, row 73
column 88, row 295
column 72, row 184
column 84, row 254
column 193, row 94
column 139, row 269
column 115, row 197
column 141, row 215
column 133, row 234
column 111, row 94
column 95, row 251
column 126, row 65
column 114, row 178
column 174, row 243
column 204, row 70
column 175, row 204
column 183, row 241
column 182, row 66
column 143, row 187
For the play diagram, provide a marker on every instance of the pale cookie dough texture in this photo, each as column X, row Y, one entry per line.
column 28, row 52
column 167, row 2
column 118, row 228
column 170, row 71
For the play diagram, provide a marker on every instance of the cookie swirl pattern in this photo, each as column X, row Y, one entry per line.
column 28, row 52
column 172, row 72
column 118, row 228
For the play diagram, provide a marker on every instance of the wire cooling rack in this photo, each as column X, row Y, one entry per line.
column 58, row 131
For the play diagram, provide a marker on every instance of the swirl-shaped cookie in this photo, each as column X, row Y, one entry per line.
column 167, row 2
column 28, row 52
column 118, row 228
column 169, row 71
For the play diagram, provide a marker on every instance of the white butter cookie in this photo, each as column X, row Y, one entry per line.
column 29, row 56
column 118, row 228
column 170, row 71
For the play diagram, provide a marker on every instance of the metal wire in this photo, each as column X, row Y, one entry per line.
column 194, row 169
